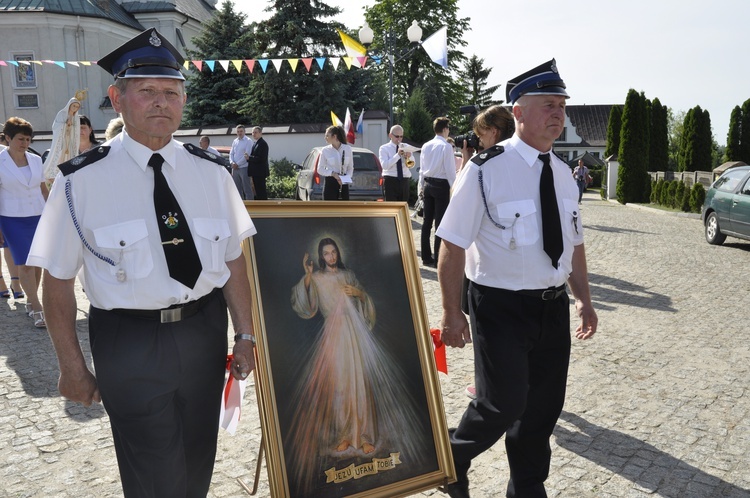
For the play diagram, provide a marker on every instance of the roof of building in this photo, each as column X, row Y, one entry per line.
column 590, row 122
column 110, row 9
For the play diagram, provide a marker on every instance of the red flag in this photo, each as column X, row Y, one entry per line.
column 441, row 362
column 349, row 127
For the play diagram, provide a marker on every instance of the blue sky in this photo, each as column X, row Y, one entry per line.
column 683, row 52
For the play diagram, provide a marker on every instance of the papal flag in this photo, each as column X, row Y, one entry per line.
column 349, row 128
column 335, row 120
column 436, row 46
column 354, row 49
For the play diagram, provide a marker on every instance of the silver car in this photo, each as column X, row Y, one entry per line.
column 367, row 178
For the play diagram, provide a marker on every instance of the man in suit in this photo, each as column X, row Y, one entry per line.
column 257, row 164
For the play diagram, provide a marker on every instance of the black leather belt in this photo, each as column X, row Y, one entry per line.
column 439, row 181
column 544, row 294
column 174, row 313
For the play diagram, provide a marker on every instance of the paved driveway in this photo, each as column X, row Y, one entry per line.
column 658, row 402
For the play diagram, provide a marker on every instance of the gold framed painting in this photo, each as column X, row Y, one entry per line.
column 349, row 396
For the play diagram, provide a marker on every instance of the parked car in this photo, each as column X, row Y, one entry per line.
column 726, row 210
column 367, row 177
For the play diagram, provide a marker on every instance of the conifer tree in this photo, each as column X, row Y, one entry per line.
column 659, row 141
column 633, row 182
column 613, row 131
column 475, row 76
column 210, row 92
column 744, row 149
column 417, row 122
column 697, row 141
column 299, row 29
column 733, row 135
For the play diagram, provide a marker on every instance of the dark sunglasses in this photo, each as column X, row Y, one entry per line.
column 398, row 136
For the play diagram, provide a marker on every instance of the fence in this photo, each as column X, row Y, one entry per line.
column 689, row 178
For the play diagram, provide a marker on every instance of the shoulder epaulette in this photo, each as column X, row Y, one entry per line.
column 203, row 154
column 89, row 157
column 487, row 154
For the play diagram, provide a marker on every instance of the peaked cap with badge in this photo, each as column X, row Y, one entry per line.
column 148, row 55
column 542, row 80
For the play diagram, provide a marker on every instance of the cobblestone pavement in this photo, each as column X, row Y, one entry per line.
column 658, row 401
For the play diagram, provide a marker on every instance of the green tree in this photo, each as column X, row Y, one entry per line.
column 697, row 142
column 475, row 76
column 676, row 130
column 389, row 20
column 210, row 92
column 633, row 181
column 613, row 131
column 297, row 30
column 733, row 136
column 659, row 142
column 477, row 91
column 417, row 123
column 744, row 149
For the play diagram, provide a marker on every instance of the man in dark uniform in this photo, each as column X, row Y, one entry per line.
column 257, row 164
column 157, row 226
column 514, row 228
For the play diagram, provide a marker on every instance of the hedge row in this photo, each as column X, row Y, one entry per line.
column 675, row 194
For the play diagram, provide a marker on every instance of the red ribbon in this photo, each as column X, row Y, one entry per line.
column 441, row 362
column 230, row 380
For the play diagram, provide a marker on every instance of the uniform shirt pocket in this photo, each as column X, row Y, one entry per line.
column 519, row 220
column 571, row 219
column 211, row 239
column 126, row 244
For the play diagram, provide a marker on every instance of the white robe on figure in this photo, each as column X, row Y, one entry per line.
column 350, row 389
column 66, row 140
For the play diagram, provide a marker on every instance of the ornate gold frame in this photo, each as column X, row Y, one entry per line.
column 277, row 217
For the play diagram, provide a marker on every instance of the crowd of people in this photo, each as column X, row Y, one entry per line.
column 160, row 281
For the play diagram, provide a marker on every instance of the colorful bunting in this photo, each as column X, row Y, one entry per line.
column 277, row 64
column 308, row 63
column 250, row 63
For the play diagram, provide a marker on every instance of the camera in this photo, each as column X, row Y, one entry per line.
column 471, row 139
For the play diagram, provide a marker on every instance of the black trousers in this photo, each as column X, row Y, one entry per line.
column 332, row 190
column 396, row 189
column 521, row 354
column 437, row 194
column 161, row 384
column 261, row 192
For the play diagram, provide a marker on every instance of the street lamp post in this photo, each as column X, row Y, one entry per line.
column 414, row 34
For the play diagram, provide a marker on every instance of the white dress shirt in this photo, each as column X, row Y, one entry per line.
column 237, row 153
column 114, row 207
column 437, row 161
column 512, row 258
column 339, row 161
column 388, row 155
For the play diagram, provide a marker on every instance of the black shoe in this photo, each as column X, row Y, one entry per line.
column 429, row 262
column 456, row 490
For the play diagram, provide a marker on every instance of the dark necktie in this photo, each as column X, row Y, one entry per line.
column 551, row 230
column 399, row 167
column 179, row 248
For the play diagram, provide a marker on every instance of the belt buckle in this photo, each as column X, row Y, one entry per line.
column 171, row 315
column 548, row 294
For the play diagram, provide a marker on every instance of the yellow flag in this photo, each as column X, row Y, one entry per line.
column 354, row 49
